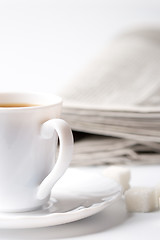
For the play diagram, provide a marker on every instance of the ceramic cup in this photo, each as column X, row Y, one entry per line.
column 28, row 143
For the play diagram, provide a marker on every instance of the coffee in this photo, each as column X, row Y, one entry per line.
column 17, row 105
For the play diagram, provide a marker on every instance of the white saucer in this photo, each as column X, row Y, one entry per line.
column 78, row 194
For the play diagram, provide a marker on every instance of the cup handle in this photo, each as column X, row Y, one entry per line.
column 65, row 153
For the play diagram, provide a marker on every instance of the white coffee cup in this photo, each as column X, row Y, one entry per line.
column 28, row 143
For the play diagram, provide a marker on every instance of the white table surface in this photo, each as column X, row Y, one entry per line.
column 112, row 223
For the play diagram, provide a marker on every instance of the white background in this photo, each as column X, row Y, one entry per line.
column 45, row 43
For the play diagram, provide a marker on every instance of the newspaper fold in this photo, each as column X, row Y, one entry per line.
column 117, row 99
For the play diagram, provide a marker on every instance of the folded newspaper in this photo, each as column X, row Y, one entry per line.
column 116, row 102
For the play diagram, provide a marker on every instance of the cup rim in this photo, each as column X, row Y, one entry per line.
column 50, row 100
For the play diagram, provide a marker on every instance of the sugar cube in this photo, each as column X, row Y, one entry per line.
column 157, row 189
column 120, row 174
column 141, row 199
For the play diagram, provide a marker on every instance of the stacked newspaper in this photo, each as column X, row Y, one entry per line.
column 116, row 102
